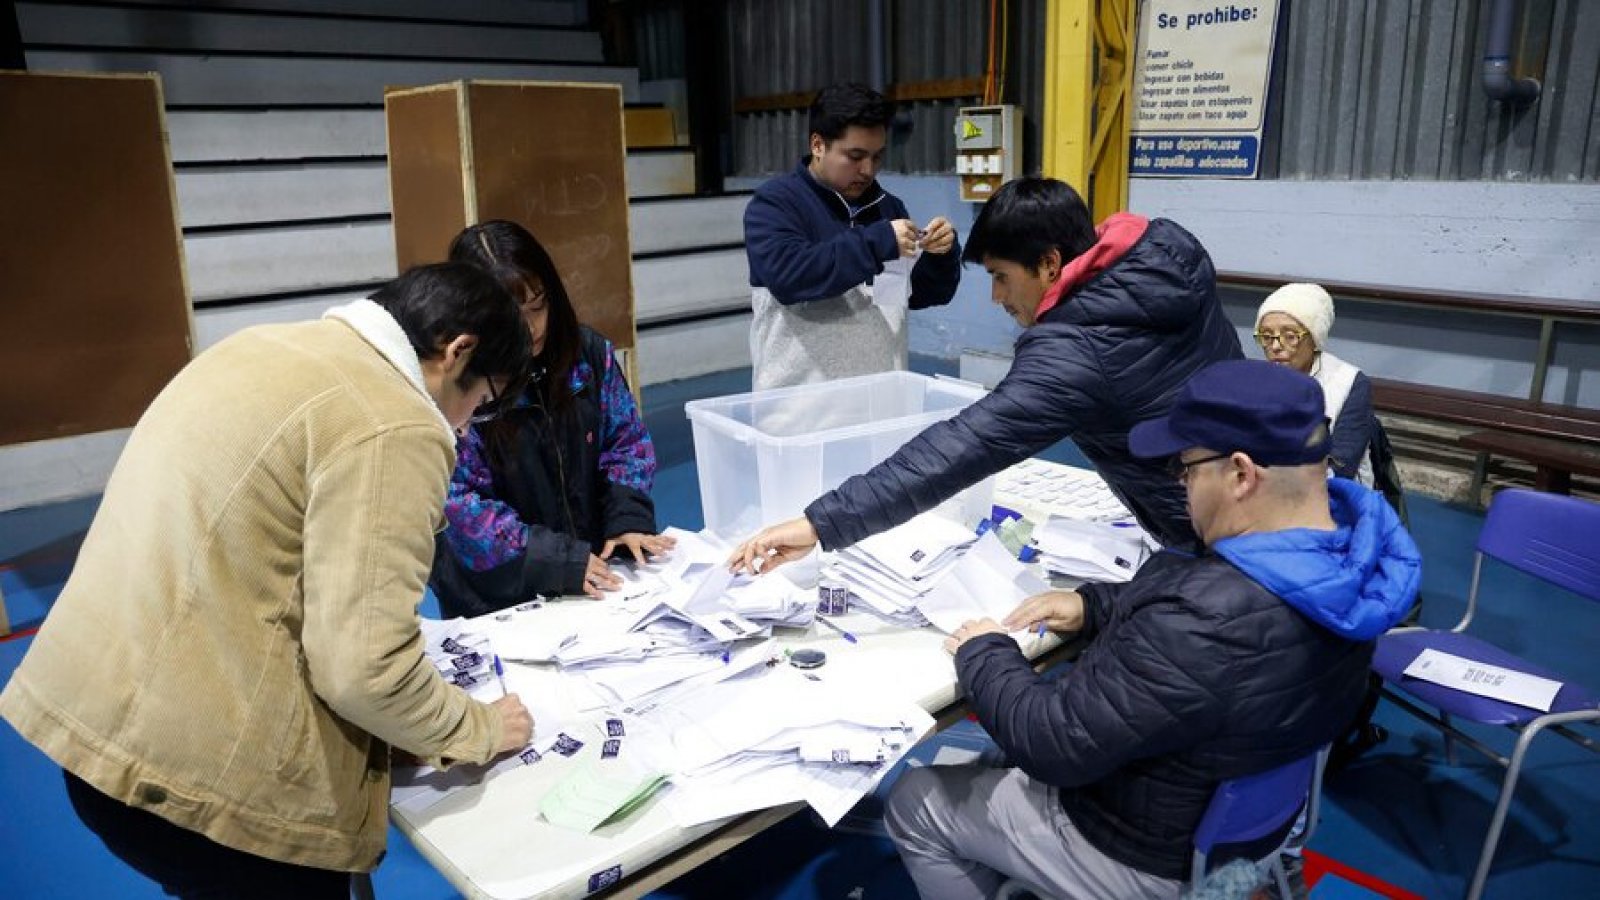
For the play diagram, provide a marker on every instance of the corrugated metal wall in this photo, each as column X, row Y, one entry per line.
column 1383, row 89
column 1363, row 89
column 782, row 46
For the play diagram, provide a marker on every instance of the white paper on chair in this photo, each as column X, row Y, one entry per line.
column 1494, row 682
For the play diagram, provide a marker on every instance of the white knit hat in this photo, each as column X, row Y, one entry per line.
column 1309, row 304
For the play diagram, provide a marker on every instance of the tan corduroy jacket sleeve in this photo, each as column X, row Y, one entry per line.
column 374, row 507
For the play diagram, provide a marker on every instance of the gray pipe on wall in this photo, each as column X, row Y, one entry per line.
column 1498, row 81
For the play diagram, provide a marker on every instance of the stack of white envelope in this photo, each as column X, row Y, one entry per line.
column 1092, row 551
column 766, row 734
column 892, row 570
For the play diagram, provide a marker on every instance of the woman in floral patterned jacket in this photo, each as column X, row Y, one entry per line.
column 542, row 496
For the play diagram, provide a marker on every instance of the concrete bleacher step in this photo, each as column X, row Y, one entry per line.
column 216, row 196
column 553, row 13
column 82, row 26
column 277, row 132
column 201, row 78
column 668, row 224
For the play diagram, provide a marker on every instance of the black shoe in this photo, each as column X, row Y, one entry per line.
column 1349, row 750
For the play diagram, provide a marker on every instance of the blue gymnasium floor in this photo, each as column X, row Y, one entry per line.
column 1397, row 813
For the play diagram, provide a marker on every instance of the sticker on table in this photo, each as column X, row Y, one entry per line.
column 605, row 878
column 566, row 744
column 610, row 749
column 614, row 728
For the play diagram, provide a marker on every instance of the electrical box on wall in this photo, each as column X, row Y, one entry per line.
column 988, row 149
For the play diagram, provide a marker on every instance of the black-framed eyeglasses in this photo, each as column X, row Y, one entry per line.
column 490, row 409
column 1290, row 338
column 1178, row 467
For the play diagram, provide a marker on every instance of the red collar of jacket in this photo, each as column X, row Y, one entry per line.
column 1119, row 232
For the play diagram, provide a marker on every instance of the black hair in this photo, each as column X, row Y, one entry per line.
column 435, row 304
column 515, row 257
column 839, row 106
column 1028, row 217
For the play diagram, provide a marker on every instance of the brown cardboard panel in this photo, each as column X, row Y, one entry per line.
column 426, row 183
column 550, row 157
column 92, row 302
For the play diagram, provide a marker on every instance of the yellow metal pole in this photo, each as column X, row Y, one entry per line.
column 1089, row 47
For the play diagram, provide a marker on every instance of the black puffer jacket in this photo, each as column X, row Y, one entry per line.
column 1111, row 354
column 1195, row 674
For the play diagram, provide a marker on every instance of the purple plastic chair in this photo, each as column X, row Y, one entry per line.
column 1253, row 806
column 1556, row 539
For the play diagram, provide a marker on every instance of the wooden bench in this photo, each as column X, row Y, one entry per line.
column 1558, row 440
column 1554, row 462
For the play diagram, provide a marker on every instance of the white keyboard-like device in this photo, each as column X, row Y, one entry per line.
column 1039, row 489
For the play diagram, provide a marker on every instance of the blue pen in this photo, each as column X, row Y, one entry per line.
column 725, row 658
column 500, row 675
column 845, row 634
column 1041, row 629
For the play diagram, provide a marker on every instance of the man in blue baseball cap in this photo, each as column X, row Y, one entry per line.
column 1202, row 668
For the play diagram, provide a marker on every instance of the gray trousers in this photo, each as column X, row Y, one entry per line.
column 964, row 830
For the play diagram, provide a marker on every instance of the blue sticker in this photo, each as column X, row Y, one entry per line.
column 610, row 748
column 614, row 728
column 530, row 756
column 566, row 744
column 605, row 878
column 467, row 661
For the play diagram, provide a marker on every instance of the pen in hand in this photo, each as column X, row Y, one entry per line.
column 1041, row 629
column 842, row 633
column 500, row 675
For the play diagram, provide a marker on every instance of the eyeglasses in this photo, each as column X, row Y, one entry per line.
column 492, row 408
column 1290, row 338
column 1178, row 467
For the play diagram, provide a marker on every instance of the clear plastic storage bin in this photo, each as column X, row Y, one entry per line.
column 762, row 457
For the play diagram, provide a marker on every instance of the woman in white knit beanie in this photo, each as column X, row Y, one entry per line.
column 1292, row 328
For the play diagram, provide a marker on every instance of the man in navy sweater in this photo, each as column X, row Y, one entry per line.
column 1201, row 669
column 818, row 239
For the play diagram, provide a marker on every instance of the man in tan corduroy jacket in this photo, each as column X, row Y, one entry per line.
column 237, row 648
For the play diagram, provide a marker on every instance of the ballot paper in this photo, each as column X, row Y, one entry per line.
column 1094, row 551
column 891, row 288
column 988, row 582
column 598, row 791
column 415, row 788
column 1494, row 682
column 915, row 549
column 772, row 735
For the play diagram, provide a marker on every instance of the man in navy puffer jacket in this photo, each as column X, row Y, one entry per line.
column 1116, row 321
column 1200, row 669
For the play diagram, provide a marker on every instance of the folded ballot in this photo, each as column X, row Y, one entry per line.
column 988, row 582
column 917, row 549
column 597, row 792
column 1093, row 551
